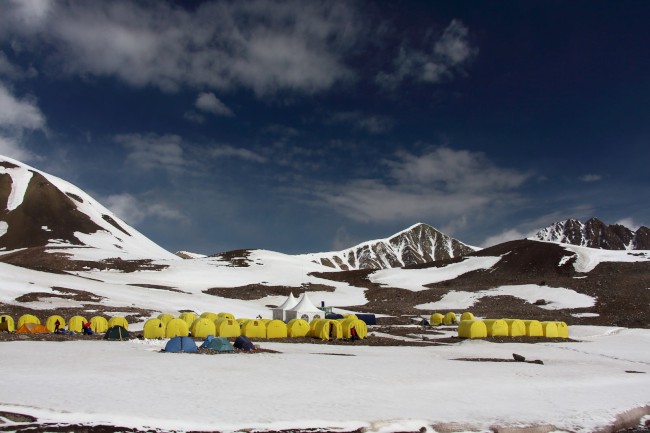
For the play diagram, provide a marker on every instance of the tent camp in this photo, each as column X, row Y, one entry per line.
column 279, row 312
column 209, row 315
column 227, row 328
column 496, row 327
column 201, row 328
column 466, row 316
column 369, row 319
column 50, row 323
column 27, row 318
column 550, row 329
column 32, row 328
column 243, row 343
column 7, row 323
column 534, row 328
column 224, row 315
column 449, row 319
column 117, row 332
column 153, row 328
column 352, row 322
column 188, row 317
column 297, row 328
column 516, row 327
column 472, row 329
column 176, row 328
column 99, row 324
column 254, row 329
column 219, row 344
column 181, row 344
column 562, row 330
column 276, row 329
column 304, row 309
column 118, row 321
column 436, row 319
column 328, row 329
column 75, row 323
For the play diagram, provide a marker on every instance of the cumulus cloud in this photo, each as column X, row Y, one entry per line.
column 508, row 235
column 440, row 183
column 207, row 101
column 444, row 58
column 19, row 113
column 135, row 210
column 261, row 45
column 151, row 151
column 13, row 149
column 227, row 151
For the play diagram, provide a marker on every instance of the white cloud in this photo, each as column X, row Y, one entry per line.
column 207, row 101
column 591, row 177
column 227, row 151
column 629, row 223
column 261, row 45
column 11, row 148
column 445, row 57
column 151, row 151
column 134, row 210
column 441, row 183
column 19, row 114
column 508, row 235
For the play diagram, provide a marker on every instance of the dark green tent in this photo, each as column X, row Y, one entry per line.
column 117, row 333
column 220, row 344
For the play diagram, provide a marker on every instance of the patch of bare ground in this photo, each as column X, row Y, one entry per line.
column 158, row 287
column 258, row 291
column 70, row 294
column 56, row 260
column 237, row 258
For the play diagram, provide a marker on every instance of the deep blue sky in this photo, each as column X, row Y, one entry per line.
column 311, row 126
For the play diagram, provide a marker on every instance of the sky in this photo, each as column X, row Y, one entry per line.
column 312, row 126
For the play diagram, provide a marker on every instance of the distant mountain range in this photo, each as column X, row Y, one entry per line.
column 418, row 244
column 596, row 234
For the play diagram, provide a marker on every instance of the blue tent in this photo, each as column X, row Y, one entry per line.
column 207, row 341
column 370, row 319
column 243, row 343
column 181, row 344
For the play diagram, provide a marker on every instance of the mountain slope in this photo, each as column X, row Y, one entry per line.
column 42, row 211
column 596, row 234
column 418, row 244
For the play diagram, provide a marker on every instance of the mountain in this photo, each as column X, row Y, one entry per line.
column 596, row 234
column 417, row 244
column 41, row 213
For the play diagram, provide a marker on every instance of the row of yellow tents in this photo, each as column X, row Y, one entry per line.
column 97, row 323
column 225, row 325
column 449, row 318
column 512, row 328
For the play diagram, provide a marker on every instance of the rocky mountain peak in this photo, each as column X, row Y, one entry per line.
column 594, row 233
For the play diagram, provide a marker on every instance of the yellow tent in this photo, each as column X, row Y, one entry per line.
column 210, row 316
column 254, row 329
column 228, row 328
column 202, row 327
column 75, row 323
column 350, row 316
column 436, row 319
column 176, row 328
column 50, row 323
column 326, row 329
column 297, row 328
column 9, row 323
column 154, row 328
column 188, row 317
column 534, row 328
column 496, row 327
column 562, row 330
column 27, row 318
column 450, row 319
column 166, row 317
column 358, row 325
column 312, row 327
column 466, row 316
column 118, row 321
column 225, row 316
column 516, row 327
column 276, row 329
column 242, row 320
column 472, row 329
column 98, row 324
column 550, row 329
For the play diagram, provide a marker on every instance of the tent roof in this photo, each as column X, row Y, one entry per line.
column 305, row 305
column 289, row 303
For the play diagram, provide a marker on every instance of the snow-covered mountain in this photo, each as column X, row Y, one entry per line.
column 418, row 244
column 43, row 212
column 596, row 234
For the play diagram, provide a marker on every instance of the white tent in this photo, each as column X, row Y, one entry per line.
column 305, row 310
column 279, row 311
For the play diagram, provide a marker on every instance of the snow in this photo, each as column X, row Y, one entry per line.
column 3, row 228
column 556, row 297
column 415, row 279
column 19, row 182
column 581, row 386
column 589, row 258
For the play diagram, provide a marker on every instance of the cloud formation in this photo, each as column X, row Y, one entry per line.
column 17, row 113
column 135, row 210
column 444, row 58
column 227, row 151
column 440, row 183
column 152, row 151
column 260, row 45
column 207, row 101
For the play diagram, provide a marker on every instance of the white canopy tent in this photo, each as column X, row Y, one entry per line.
column 279, row 312
column 305, row 310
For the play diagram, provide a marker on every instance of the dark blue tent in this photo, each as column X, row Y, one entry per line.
column 243, row 343
column 370, row 319
column 207, row 341
column 334, row 316
column 181, row 344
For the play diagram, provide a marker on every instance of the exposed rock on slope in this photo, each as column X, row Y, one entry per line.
column 420, row 243
column 596, row 234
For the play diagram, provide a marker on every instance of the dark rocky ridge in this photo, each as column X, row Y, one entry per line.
column 596, row 234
